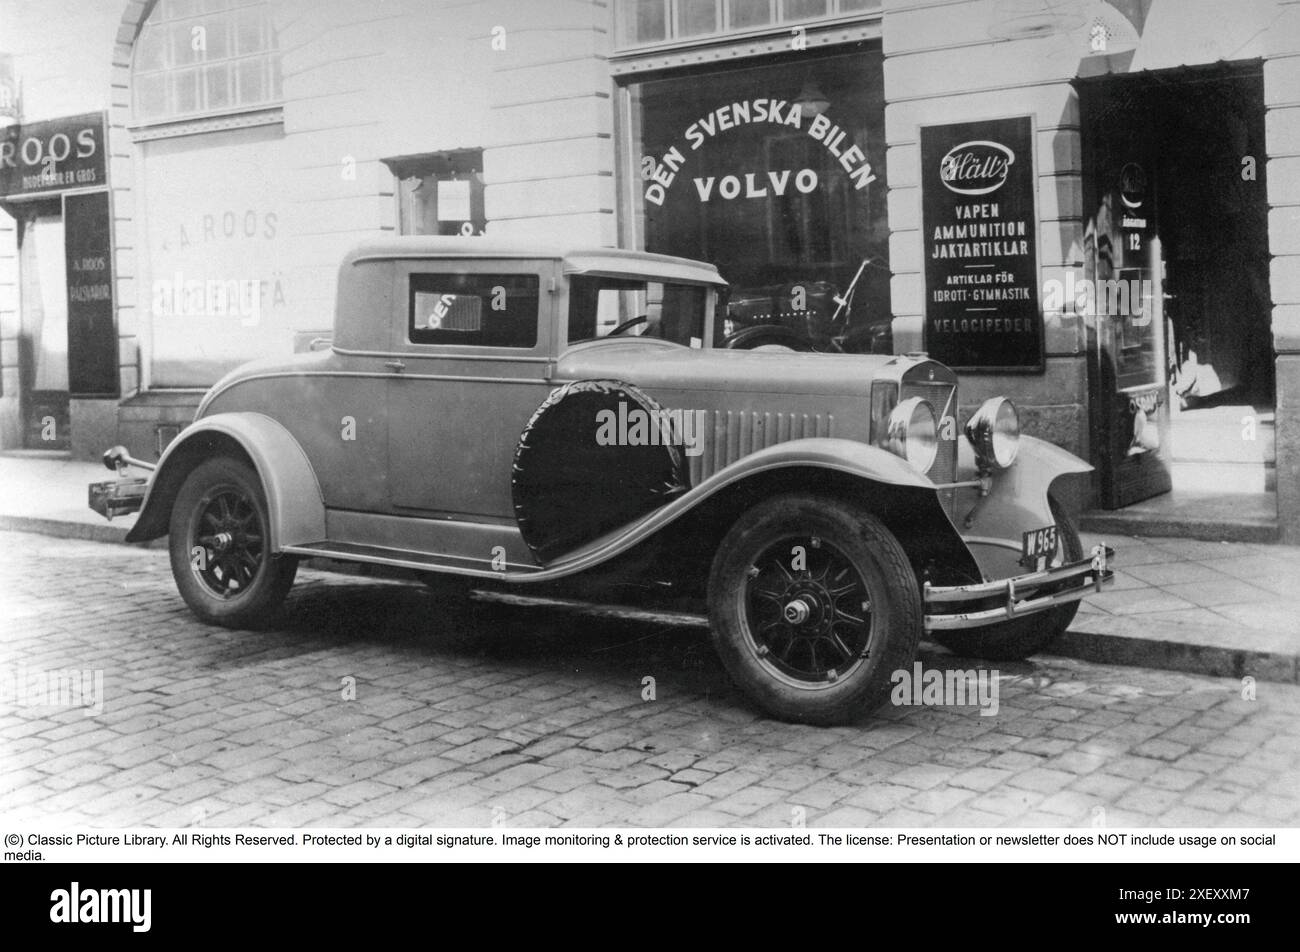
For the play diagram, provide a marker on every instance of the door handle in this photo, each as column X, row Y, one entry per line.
column 395, row 365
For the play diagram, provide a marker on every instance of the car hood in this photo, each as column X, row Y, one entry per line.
column 655, row 364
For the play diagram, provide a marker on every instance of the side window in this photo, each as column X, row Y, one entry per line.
column 636, row 307
column 474, row 310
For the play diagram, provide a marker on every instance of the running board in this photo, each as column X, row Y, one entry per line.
column 406, row 559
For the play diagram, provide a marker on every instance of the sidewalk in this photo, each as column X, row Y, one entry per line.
column 1228, row 609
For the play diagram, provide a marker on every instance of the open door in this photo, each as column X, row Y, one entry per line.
column 1121, row 296
column 43, row 340
column 1176, row 281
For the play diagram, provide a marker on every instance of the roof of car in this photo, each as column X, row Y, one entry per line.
column 596, row 261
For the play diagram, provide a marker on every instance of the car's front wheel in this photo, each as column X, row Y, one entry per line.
column 220, row 547
column 813, row 605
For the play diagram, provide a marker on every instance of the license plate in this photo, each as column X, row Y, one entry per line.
column 1038, row 544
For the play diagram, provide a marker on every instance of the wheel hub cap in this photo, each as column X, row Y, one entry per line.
column 798, row 611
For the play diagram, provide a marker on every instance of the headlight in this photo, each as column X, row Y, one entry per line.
column 912, row 433
column 994, row 431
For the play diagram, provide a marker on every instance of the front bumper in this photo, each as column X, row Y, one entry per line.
column 987, row 603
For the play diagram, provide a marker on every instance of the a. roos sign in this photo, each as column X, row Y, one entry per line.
column 52, row 156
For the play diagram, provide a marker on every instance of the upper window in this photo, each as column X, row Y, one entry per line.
column 474, row 310
column 200, row 57
column 647, row 22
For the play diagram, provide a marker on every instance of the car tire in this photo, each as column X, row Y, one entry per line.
column 776, row 613
column 219, row 545
column 1019, row 638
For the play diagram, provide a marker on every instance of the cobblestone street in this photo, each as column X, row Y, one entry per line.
column 530, row 717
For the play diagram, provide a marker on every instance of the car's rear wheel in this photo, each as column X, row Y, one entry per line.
column 219, row 545
column 813, row 605
column 1019, row 638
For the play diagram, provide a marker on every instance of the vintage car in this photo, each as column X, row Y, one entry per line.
column 497, row 414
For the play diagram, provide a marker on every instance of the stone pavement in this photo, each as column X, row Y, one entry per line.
column 369, row 704
column 1215, row 608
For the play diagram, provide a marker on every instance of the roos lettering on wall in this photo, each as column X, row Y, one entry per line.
column 217, row 293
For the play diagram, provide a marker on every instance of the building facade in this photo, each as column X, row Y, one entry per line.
column 1090, row 205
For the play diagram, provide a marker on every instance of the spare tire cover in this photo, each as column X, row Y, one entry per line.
column 597, row 455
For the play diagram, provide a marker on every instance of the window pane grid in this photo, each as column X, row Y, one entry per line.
column 201, row 56
column 647, row 22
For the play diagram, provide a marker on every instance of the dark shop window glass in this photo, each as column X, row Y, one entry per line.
column 776, row 174
column 474, row 310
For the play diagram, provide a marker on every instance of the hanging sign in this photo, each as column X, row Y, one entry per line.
column 53, row 156
column 980, row 245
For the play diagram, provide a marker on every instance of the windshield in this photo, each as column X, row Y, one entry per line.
column 632, row 307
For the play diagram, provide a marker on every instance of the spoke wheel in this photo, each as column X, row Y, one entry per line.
column 808, row 611
column 219, row 545
column 228, row 548
column 812, row 606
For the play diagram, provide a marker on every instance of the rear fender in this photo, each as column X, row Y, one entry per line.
column 293, row 496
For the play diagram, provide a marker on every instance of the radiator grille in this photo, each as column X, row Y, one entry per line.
column 726, row 436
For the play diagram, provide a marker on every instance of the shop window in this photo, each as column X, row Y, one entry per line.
column 646, row 22
column 440, row 193
column 201, row 57
column 474, row 310
column 775, row 174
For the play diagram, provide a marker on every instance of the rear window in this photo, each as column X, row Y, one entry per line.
column 474, row 310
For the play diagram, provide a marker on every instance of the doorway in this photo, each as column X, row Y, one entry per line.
column 43, row 327
column 1182, row 390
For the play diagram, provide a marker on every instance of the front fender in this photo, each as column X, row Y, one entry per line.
column 293, row 496
column 1017, row 502
column 917, row 519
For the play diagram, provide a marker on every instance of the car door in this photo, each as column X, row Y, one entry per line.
column 472, row 349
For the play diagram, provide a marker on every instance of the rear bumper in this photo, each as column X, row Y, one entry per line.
column 969, row 606
column 117, row 497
